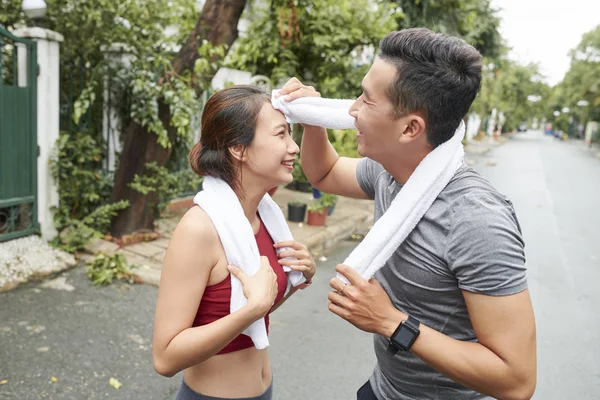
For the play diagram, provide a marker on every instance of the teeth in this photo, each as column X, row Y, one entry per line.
column 290, row 163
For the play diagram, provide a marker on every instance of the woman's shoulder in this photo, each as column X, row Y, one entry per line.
column 197, row 226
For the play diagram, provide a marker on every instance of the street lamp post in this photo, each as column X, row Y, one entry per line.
column 35, row 10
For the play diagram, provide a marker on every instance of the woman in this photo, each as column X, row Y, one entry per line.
column 246, row 143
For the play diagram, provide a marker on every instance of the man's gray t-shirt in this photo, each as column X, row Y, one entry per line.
column 470, row 240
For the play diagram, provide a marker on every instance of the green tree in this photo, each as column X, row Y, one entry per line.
column 318, row 41
column 474, row 20
column 190, row 71
column 579, row 91
column 160, row 90
column 11, row 14
column 518, row 91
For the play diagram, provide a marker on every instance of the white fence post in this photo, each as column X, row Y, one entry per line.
column 48, row 118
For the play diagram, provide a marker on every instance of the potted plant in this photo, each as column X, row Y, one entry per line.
column 317, row 213
column 296, row 211
column 300, row 182
column 329, row 200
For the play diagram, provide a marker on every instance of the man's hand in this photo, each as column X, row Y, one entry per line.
column 294, row 89
column 363, row 303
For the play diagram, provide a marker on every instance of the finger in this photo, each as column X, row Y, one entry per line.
column 290, row 87
column 294, row 253
column 337, row 284
column 353, row 277
column 340, row 300
column 289, row 243
column 304, row 92
column 294, row 261
column 238, row 273
column 339, row 311
column 300, row 268
column 264, row 261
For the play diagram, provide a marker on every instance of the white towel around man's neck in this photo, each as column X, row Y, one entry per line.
column 223, row 207
column 412, row 201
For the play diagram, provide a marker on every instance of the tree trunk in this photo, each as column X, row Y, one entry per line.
column 217, row 24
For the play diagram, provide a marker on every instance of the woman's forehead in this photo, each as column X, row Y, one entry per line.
column 270, row 117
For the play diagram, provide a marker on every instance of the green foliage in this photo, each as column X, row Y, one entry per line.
column 84, row 209
column 74, row 234
column 166, row 184
column 298, row 173
column 316, row 41
column 151, row 31
column 11, row 13
column 318, row 205
column 509, row 87
column 474, row 20
column 103, row 269
column 579, row 91
column 344, row 142
column 328, row 199
column 77, row 165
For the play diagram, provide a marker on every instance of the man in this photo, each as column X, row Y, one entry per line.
column 450, row 310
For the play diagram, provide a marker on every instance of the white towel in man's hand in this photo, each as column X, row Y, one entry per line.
column 223, row 207
column 328, row 113
column 411, row 203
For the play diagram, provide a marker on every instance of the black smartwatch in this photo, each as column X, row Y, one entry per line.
column 405, row 335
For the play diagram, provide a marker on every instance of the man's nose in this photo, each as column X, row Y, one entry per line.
column 354, row 108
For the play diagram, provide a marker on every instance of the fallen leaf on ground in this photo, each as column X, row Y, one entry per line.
column 4, row 382
column 114, row 383
column 54, row 379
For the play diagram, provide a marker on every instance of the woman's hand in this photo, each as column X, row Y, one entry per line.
column 261, row 288
column 304, row 261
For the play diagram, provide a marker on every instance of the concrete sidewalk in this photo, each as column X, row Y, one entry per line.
column 350, row 217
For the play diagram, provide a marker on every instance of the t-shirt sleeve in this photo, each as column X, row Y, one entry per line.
column 367, row 173
column 485, row 248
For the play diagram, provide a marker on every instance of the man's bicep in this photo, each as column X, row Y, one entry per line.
column 485, row 248
column 342, row 179
column 506, row 326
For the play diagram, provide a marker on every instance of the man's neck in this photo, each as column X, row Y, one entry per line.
column 402, row 168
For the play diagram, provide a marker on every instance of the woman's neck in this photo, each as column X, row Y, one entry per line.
column 252, row 195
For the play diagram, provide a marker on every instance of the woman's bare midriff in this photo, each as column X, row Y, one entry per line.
column 243, row 373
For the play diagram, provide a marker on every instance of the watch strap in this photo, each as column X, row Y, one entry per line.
column 413, row 323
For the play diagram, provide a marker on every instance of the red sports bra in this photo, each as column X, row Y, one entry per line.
column 216, row 298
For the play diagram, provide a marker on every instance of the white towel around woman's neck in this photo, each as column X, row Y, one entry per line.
column 412, row 201
column 223, row 207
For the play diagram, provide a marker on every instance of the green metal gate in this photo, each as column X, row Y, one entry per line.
column 18, row 137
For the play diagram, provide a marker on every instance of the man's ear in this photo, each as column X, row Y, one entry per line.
column 414, row 127
column 238, row 152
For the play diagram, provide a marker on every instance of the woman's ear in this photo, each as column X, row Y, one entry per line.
column 238, row 152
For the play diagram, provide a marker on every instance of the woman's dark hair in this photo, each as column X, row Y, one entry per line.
column 229, row 119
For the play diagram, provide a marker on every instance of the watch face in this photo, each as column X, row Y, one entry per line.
column 404, row 337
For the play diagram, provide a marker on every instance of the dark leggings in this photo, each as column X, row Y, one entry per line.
column 186, row 393
column 366, row 392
